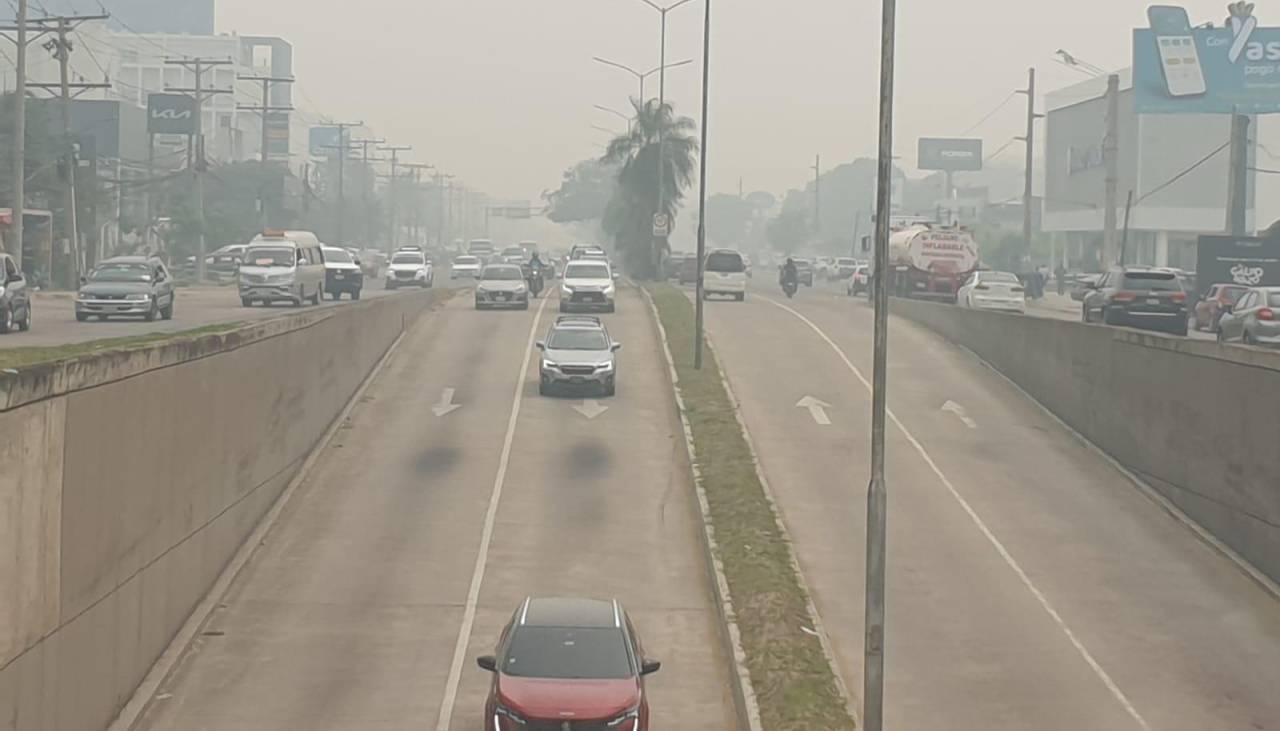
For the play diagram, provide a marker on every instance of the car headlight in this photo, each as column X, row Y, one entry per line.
column 520, row 289
column 138, row 297
column 422, row 273
column 605, row 366
column 608, row 291
column 505, row 712
column 549, row 365
column 566, row 289
column 630, row 714
column 84, row 296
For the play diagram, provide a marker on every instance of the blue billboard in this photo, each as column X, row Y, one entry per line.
column 324, row 141
column 1178, row 69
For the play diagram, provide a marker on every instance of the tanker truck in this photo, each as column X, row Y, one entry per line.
column 930, row 262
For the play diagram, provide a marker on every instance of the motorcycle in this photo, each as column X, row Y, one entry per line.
column 533, row 277
column 789, row 287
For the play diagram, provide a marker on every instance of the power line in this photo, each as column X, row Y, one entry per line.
column 1182, row 174
column 990, row 114
column 1001, row 149
column 1265, row 171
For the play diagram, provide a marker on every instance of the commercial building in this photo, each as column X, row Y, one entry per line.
column 1174, row 164
column 145, row 16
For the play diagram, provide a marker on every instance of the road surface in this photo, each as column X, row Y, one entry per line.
column 349, row 617
column 1030, row 584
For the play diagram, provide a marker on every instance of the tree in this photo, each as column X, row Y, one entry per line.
column 583, row 194
column 789, row 231
column 728, row 219
column 233, row 194
column 629, row 214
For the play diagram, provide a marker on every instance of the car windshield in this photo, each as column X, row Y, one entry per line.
column 269, row 256
column 1273, row 298
column 502, row 274
column 1159, row 281
column 407, row 259
column 339, row 256
column 466, row 260
column 121, row 272
column 998, row 277
column 1231, row 295
column 587, row 271
column 577, row 339
column 567, row 653
column 724, row 261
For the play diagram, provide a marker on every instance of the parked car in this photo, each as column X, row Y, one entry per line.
column 133, row 286
column 409, row 268
column 587, row 284
column 559, row 659
column 342, row 275
column 724, row 273
column 282, row 266
column 15, row 297
column 1152, row 299
column 578, row 352
column 1210, row 307
column 502, row 285
column 989, row 290
column 1082, row 285
column 859, row 281
column 1254, row 319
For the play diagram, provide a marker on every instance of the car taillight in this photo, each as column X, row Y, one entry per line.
column 1179, row 297
column 982, row 286
column 1016, row 289
column 1266, row 314
column 1123, row 297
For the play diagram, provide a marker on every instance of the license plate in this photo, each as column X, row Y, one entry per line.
column 1153, row 300
column 339, row 276
column 577, row 379
column 502, row 297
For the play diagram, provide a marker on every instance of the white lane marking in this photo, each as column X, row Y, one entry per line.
column 817, row 409
column 982, row 527
column 446, row 405
column 959, row 411
column 486, row 535
column 590, row 408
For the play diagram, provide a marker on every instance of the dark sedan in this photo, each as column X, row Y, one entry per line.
column 1151, row 299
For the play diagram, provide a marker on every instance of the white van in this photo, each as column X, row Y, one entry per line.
column 725, row 273
column 282, row 266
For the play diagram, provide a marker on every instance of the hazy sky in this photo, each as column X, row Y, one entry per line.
column 500, row 92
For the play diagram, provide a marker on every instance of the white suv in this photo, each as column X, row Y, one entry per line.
column 587, row 285
column 725, row 273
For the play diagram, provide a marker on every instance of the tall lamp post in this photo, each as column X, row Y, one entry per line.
column 629, row 120
column 640, row 76
column 702, row 190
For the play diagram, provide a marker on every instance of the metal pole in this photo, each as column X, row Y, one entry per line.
column 1028, row 170
column 1110, row 149
column 266, row 106
column 1238, row 180
column 702, row 190
column 662, row 157
column 73, row 228
column 200, row 162
column 151, row 195
column 877, row 494
column 20, row 138
column 1124, row 239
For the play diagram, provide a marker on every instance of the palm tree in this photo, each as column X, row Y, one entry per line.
column 629, row 215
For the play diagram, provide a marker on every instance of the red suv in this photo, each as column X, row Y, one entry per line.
column 1208, row 310
column 568, row 665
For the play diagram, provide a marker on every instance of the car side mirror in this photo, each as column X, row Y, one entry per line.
column 650, row 667
column 84, row 280
column 616, row 347
column 488, row 662
column 616, row 276
column 1226, row 307
column 15, row 277
column 542, row 345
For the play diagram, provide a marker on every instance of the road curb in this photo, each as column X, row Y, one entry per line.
column 744, row 695
column 180, row 646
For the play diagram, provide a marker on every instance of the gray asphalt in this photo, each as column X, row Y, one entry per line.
column 1030, row 584
column 349, row 615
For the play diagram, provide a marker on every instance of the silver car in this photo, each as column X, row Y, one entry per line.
column 578, row 353
column 134, row 286
column 1254, row 319
column 502, row 285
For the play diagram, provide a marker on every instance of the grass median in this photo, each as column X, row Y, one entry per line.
column 793, row 682
column 25, row 357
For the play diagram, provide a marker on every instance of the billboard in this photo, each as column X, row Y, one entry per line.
column 1251, row 261
column 171, row 114
column 952, row 155
column 1178, row 69
column 324, row 141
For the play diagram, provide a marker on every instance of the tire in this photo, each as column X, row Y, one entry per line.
column 6, row 320
column 25, row 323
column 318, row 295
column 246, row 302
column 1180, row 330
column 611, row 390
column 355, row 295
column 81, row 317
column 389, row 286
column 1109, row 318
column 152, row 313
column 741, row 297
column 166, row 313
column 543, row 389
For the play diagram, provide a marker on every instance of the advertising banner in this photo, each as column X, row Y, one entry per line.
column 1178, row 69
column 1251, row 261
column 324, row 141
column 949, row 154
column 171, row 114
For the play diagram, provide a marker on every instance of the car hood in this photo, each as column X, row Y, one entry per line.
column 113, row 288
column 342, row 266
column 568, row 699
column 578, row 283
column 582, row 357
column 501, row 285
column 466, row 265
column 274, row 271
column 406, row 267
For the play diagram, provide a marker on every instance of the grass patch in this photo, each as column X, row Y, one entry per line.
column 794, row 685
column 29, row 356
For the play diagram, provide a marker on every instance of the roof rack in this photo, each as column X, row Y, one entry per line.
column 579, row 318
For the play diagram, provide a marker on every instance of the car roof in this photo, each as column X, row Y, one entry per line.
column 503, row 265
column 567, row 612
column 130, row 260
column 579, row 321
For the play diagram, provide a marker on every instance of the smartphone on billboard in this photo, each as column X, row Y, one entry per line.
column 1183, row 75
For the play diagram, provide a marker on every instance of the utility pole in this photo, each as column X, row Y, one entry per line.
column 198, row 165
column 266, row 109
column 441, row 181
column 1028, row 170
column 702, row 191
column 1238, row 177
column 20, row 136
column 817, row 193
column 366, row 186
column 1110, row 155
column 392, row 203
column 343, row 147
column 418, row 199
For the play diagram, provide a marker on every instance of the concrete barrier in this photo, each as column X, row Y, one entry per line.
column 128, row 480
column 1197, row 421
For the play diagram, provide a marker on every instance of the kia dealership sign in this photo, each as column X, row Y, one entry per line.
column 171, row 114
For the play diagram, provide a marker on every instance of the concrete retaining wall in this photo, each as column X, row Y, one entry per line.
column 129, row 479
column 1198, row 421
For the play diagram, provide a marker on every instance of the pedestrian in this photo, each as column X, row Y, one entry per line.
column 1060, row 274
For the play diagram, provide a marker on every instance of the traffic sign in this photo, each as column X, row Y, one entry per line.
column 661, row 224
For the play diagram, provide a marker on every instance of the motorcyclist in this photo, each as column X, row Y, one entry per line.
column 789, row 274
column 533, row 274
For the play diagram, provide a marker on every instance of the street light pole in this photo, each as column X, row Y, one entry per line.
column 877, row 492
column 702, row 190
column 639, row 75
column 616, row 113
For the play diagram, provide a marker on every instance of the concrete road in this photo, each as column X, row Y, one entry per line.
column 417, row 534
column 55, row 318
column 1030, row 584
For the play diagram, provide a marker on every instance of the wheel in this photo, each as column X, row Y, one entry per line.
column 1109, row 318
column 1180, row 329
column 318, row 295
column 389, row 285
column 355, row 295
column 6, row 320
column 152, row 313
column 612, row 308
column 167, row 312
column 543, row 389
column 246, row 302
column 1222, row 338
column 611, row 390
column 81, row 317
column 25, row 323
column 741, row 296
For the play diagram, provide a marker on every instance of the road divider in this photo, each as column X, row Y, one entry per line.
column 784, row 677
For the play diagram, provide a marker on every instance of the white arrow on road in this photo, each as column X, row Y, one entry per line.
column 590, row 408
column 959, row 411
column 446, row 404
column 817, row 409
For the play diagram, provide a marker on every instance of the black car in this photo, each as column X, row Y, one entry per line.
column 1152, row 299
column 15, row 297
column 342, row 273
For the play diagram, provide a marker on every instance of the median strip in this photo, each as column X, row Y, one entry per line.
column 26, row 356
column 790, row 678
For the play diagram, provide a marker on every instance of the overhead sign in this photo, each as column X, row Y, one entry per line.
column 952, row 155
column 324, row 141
column 661, row 225
column 1178, row 69
column 171, row 114
column 1251, row 261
